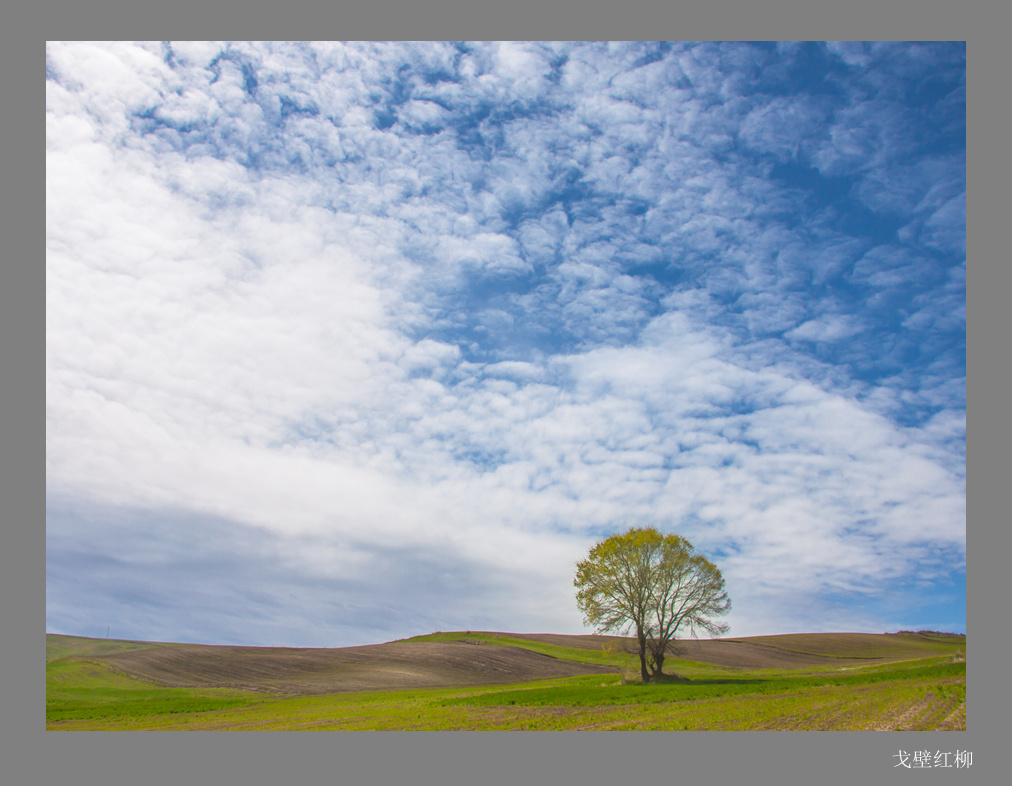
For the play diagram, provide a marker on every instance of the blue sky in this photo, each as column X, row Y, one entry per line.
column 351, row 342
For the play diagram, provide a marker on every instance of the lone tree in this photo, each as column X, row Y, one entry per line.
column 655, row 584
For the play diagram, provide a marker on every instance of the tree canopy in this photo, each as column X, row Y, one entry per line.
column 654, row 584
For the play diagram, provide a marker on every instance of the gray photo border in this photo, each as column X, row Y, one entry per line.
column 114, row 758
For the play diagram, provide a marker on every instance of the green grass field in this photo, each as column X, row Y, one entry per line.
column 923, row 692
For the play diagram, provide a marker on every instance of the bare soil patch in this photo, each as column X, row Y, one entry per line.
column 791, row 651
column 397, row 665
column 416, row 664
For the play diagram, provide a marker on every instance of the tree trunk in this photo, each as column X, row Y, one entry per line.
column 644, row 675
column 659, row 664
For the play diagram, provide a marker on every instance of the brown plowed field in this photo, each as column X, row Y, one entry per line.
column 398, row 665
column 790, row 651
column 432, row 664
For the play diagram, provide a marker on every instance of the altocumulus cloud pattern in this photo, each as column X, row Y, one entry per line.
column 349, row 342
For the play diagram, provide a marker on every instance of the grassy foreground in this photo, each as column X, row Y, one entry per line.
column 927, row 692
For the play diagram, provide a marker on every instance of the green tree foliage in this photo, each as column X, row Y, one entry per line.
column 653, row 584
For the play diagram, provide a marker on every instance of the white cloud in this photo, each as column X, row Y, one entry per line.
column 945, row 229
column 422, row 114
column 516, row 370
column 828, row 328
column 853, row 53
column 782, row 126
column 522, row 65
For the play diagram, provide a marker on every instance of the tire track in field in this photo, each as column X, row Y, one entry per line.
column 956, row 720
column 904, row 720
